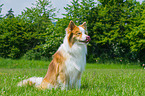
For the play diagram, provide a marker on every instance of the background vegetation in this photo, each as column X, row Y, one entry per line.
column 117, row 29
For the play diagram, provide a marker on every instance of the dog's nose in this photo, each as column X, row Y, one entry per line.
column 88, row 38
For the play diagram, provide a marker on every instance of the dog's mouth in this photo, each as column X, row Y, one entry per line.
column 88, row 39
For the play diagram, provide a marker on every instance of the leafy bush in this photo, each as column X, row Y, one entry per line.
column 14, row 38
column 116, row 29
column 19, row 36
column 22, row 33
column 46, row 50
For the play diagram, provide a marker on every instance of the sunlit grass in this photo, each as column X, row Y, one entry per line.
column 22, row 63
column 97, row 79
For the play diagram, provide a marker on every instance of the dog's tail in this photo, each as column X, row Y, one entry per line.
column 36, row 81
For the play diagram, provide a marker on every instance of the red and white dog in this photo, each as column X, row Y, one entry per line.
column 68, row 62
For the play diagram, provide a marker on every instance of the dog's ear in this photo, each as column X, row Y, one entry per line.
column 84, row 25
column 70, row 39
column 71, row 25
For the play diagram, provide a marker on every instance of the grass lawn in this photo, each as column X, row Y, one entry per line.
column 97, row 79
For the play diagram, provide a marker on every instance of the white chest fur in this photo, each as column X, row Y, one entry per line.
column 76, row 58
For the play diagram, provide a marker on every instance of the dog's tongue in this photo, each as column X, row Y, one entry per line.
column 88, row 39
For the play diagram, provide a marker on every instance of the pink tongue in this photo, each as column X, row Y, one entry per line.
column 88, row 38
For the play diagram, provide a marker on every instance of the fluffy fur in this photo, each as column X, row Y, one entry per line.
column 68, row 62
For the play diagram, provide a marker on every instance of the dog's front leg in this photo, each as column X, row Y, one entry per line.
column 64, row 86
column 78, row 84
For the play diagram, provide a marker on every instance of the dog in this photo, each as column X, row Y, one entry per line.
column 68, row 62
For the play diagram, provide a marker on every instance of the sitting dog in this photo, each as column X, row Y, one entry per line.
column 68, row 62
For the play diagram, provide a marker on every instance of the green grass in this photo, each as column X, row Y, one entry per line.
column 37, row 64
column 97, row 79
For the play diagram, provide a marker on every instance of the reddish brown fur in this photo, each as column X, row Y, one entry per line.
column 55, row 69
column 84, row 26
column 73, row 31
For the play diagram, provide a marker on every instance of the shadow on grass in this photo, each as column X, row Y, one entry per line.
column 85, row 86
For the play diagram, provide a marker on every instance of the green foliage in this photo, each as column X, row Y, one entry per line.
column 22, row 33
column 19, row 36
column 79, row 10
column 116, row 28
column 14, row 37
column 110, row 26
column 45, row 51
column 1, row 10
column 10, row 14
column 137, row 38
column 40, row 15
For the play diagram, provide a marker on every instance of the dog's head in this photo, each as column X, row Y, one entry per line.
column 77, row 34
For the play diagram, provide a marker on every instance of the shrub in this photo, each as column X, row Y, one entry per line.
column 45, row 51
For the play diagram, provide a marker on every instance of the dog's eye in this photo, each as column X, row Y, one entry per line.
column 78, row 33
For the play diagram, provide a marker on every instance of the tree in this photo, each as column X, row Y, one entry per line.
column 136, row 37
column 79, row 10
column 40, row 15
column 108, row 24
column 10, row 14
column 1, row 10
column 27, row 31
column 41, row 11
column 14, row 39
column 110, row 21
